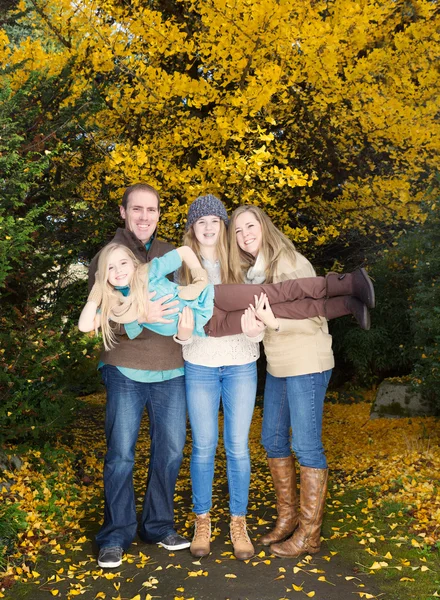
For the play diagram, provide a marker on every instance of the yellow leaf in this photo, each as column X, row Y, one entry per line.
column 230, row 576
column 137, row 597
column 297, row 588
column 54, row 592
column 406, row 579
column 310, row 594
column 100, row 595
column 415, row 543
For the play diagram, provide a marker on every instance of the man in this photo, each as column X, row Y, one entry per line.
column 145, row 371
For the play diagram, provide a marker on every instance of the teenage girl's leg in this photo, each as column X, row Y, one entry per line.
column 239, row 389
column 203, row 400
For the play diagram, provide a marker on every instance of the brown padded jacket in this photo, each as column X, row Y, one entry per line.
column 149, row 351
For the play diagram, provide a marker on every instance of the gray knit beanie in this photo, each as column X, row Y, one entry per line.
column 204, row 206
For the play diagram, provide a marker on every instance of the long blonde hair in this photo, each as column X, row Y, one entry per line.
column 274, row 245
column 111, row 296
column 189, row 239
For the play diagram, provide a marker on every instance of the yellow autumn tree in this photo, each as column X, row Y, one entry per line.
column 322, row 113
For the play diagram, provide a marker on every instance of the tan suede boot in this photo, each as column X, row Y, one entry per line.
column 307, row 538
column 201, row 542
column 284, row 481
column 243, row 548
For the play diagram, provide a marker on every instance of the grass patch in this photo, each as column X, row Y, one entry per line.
column 12, row 522
column 375, row 538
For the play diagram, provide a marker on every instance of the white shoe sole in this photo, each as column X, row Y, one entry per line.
column 110, row 565
column 181, row 546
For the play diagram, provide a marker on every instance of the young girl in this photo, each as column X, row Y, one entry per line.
column 122, row 283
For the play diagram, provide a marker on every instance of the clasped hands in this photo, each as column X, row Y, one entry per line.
column 258, row 316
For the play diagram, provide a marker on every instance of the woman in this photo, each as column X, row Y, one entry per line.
column 299, row 365
column 218, row 367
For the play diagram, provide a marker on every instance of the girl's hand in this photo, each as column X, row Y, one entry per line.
column 250, row 325
column 264, row 312
column 185, row 326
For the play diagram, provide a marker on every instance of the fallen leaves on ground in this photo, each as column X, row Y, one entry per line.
column 394, row 460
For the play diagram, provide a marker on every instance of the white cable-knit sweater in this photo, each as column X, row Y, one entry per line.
column 222, row 351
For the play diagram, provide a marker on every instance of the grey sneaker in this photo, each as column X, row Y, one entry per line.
column 110, row 557
column 174, row 541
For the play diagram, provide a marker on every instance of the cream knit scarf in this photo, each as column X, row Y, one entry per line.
column 257, row 273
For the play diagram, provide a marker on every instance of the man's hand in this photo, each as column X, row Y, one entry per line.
column 186, row 324
column 158, row 310
column 250, row 325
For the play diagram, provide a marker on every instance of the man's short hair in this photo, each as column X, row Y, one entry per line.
column 143, row 187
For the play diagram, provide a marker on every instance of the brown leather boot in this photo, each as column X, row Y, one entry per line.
column 356, row 284
column 284, row 481
column 307, row 538
column 347, row 305
column 200, row 545
column 243, row 548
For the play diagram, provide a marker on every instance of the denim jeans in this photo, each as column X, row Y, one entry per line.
column 237, row 386
column 295, row 402
column 166, row 407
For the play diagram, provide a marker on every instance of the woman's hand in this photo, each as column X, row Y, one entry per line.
column 185, row 326
column 250, row 325
column 264, row 312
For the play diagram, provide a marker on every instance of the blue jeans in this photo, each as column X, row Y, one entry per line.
column 166, row 407
column 237, row 386
column 295, row 402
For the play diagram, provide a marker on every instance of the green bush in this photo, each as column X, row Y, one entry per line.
column 44, row 360
column 425, row 308
column 405, row 335
column 367, row 357
column 45, row 366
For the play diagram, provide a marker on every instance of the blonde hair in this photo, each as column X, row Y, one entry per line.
column 111, row 296
column 274, row 245
column 189, row 239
